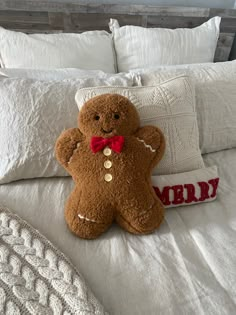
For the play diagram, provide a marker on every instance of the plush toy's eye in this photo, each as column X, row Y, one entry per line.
column 97, row 117
column 116, row 116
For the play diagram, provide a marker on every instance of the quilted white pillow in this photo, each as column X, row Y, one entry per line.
column 89, row 50
column 33, row 114
column 124, row 79
column 139, row 47
column 171, row 107
column 54, row 74
column 215, row 100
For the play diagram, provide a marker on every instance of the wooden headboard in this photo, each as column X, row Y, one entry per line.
column 32, row 16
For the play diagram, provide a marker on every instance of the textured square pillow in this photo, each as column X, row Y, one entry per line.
column 89, row 50
column 215, row 100
column 171, row 107
column 33, row 114
column 139, row 47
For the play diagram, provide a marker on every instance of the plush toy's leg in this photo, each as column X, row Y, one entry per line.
column 140, row 213
column 86, row 215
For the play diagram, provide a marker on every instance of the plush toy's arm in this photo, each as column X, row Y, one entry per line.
column 153, row 139
column 66, row 144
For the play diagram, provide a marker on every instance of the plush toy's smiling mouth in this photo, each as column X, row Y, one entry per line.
column 107, row 131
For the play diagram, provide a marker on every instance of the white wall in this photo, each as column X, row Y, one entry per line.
column 193, row 3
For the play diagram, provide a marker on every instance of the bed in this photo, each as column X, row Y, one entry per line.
column 188, row 265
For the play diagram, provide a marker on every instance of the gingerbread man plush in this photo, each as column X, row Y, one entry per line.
column 110, row 159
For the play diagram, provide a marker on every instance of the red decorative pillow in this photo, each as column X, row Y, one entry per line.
column 187, row 188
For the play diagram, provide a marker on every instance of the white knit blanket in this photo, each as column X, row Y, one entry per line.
column 36, row 278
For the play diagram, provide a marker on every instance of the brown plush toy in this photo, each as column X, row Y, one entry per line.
column 110, row 159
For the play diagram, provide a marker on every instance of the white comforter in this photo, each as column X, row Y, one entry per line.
column 187, row 267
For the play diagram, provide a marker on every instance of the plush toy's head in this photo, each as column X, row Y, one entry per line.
column 108, row 115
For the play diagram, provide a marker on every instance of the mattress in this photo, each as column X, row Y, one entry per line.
column 188, row 266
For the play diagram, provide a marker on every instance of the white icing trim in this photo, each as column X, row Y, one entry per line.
column 86, row 219
column 147, row 145
column 77, row 146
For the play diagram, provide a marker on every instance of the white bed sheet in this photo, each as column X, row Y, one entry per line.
column 187, row 267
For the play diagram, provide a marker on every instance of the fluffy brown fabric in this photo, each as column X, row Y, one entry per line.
column 127, row 196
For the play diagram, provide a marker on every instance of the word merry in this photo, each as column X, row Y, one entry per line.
column 187, row 193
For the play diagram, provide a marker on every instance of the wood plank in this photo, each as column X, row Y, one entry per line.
column 224, row 46
column 175, row 22
column 75, row 7
column 23, row 16
column 232, row 55
column 228, row 13
column 93, row 21
column 31, row 27
column 33, row 22
column 227, row 25
column 29, row 31
column 83, row 22
column 56, row 20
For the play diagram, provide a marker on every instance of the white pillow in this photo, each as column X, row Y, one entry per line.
column 187, row 188
column 139, row 47
column 215, row 85
column 33, row 114
column 89, row 50
column 171, row 107
column 129, row 79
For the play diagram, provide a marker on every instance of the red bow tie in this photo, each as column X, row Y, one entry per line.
column 115, row 143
